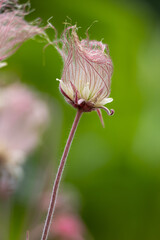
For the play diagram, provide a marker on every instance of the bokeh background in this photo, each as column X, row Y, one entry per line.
column 116, row 170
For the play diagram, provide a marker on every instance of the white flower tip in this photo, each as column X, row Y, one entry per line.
column 104, row 102
column 59, row 80
column 86, row 91
column 3, row 64
column 108, row 100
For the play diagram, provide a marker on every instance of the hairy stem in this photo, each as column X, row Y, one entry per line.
column 58, row 177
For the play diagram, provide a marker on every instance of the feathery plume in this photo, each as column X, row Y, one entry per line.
column 14, row 30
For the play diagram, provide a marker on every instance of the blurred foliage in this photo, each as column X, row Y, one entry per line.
column 116, row 169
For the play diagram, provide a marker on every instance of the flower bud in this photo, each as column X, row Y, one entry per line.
column 87, row 72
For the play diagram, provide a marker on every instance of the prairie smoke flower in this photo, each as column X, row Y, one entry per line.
column 14, row 30
column 22, row 117
column 87, row 72
column 85, row 84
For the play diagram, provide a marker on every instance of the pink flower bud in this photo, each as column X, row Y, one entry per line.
column 67, row 227
column 14, row 30
column 87, row 72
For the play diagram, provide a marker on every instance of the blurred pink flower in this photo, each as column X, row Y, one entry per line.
column 14, row 30
column 67, row 226
column 22, row 117
column 87, row 72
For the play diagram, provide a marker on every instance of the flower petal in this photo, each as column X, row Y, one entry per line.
column 3, row 64
column 86, row 92
column 104, row 101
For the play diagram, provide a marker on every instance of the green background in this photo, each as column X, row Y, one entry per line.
column 116, row 170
